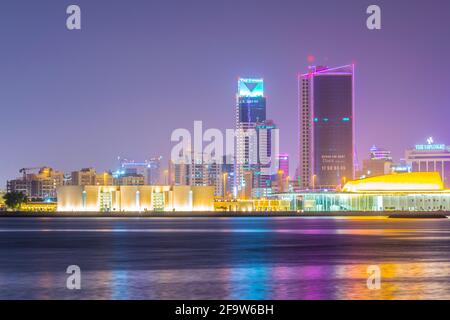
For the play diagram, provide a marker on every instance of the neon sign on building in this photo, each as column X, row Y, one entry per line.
column 430, row 146
column 251, row 87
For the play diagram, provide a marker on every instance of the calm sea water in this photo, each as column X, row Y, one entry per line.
column 224, row 258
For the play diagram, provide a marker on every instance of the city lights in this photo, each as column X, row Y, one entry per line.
column 208, row 158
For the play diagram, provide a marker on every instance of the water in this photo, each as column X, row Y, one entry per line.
column 224, row 258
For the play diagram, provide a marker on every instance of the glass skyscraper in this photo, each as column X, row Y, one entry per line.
column 326, row 118
column 250, row 111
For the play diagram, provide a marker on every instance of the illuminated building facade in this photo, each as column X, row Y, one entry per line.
column 326, row 116
column 199, row 170
column 227, row 176
column 253, row 205
column 266, row 167
column 250, row 111
column 38, row 207
column 379, row 163
column 408, row 192
column 104, row 179
column 247, row 187
column 135, row 198
column 84, row 177
column 179, row 171
column 154, row 171
column 430, row 157
column 130, row 180
column 401, row 167
column 149, row 169
column 283, row 163
column 377, row 153
column 205, row 171
column 38, row 186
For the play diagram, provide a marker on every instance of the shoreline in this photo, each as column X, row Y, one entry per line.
column 398, row 215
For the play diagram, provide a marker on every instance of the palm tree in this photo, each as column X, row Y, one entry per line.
column 14, row 199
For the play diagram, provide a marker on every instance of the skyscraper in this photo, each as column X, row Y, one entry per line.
column 283, row 163
column 326, row 116
column 266, row 166
column 250, row 110
column 154, row 174
column 179, row 173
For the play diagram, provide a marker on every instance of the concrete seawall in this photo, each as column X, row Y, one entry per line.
column 221, row 214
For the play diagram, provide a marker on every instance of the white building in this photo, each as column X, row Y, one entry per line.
column 430, row 157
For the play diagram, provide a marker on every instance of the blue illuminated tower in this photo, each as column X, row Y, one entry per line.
column 250, row 111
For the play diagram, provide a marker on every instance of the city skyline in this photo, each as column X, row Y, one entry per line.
column 79, row 128
column 213, row 157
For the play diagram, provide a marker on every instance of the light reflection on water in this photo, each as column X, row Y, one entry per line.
column 281, row 258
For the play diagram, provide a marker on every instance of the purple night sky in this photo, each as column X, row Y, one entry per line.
column 139, row 69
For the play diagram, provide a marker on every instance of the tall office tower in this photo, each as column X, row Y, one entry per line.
column 250, row 110
column 199, row 170
column 283, row 163
column 179, row 173
column 154, row 174
column 205, row 171
column 326, row 116
column 214, row 177
column 227, row 172
column 266, row 167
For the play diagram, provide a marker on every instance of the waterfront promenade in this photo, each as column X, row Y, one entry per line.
column 213, row 214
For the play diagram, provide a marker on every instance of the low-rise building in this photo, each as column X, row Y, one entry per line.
column 378, row 164
column 253, row 205
column 130, row 180
column 417, row 191
column 430, row 157
column 84, row 177
column 135, row 198
column 104, row 179
column 37, row 186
